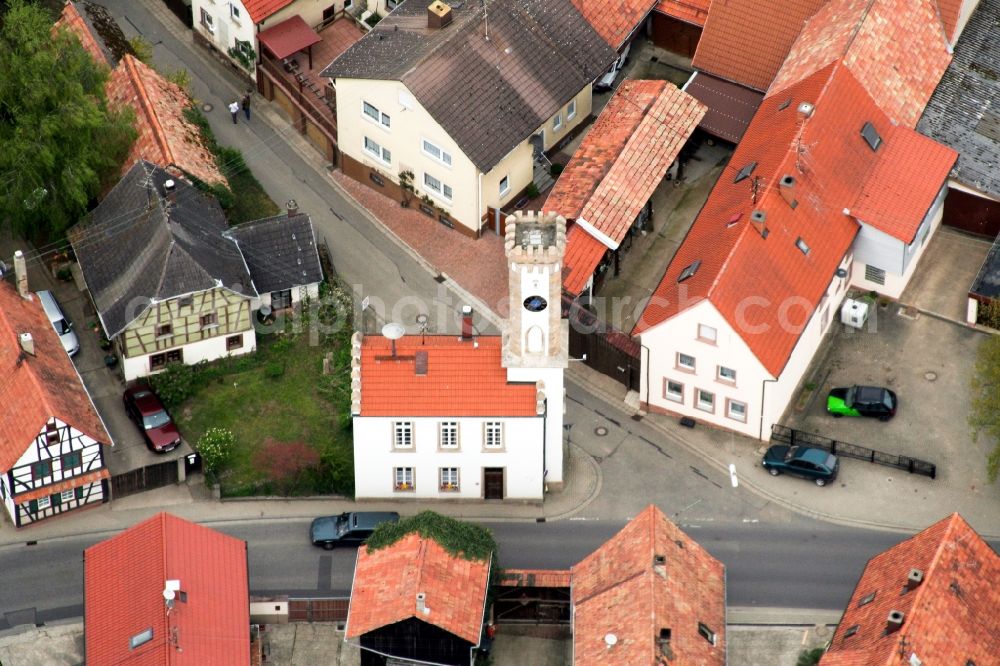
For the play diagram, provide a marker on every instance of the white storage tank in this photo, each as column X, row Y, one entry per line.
column 854, row 313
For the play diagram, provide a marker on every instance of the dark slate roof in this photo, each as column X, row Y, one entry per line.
column 106, row 31
column 280, row 252
column 138, row 247
column 987, row 282
column 488, row 94
column 964, row 112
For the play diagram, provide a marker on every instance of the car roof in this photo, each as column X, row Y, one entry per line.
column 48, row 301
column 145, row 400
column 366, row 519
column 869, row 393
column 813, row 455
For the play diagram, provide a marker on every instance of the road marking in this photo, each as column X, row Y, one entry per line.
column 732, row 475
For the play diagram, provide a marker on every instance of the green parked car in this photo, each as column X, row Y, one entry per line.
column 875, row 401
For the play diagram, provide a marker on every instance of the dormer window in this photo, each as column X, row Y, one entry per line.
column 871, row 136
column 745, row 172
column 689, row 270
column 802, row 245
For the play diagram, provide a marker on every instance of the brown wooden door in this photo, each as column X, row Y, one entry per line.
column 493, row 483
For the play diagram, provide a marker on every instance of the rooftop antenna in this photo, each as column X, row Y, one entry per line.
column 422, row 323
column 754, row 188
column 394, row 332
column 486, row 19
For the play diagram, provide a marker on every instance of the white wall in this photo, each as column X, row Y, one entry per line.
column 203, row 350
column 555, row 398
column 299, row 294
column 375, row 458
column 227, row 27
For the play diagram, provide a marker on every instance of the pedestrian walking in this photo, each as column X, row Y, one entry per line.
column 234, row 109
column 246, row 105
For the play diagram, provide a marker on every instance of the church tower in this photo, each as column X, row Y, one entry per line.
column 535, row 336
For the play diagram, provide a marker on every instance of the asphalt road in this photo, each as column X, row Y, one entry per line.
column 805, row 564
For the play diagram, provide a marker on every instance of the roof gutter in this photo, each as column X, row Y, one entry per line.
column 763, row 385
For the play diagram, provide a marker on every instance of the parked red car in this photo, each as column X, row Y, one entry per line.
column 144, row 407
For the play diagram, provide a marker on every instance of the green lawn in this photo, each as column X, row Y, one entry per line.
column 288, row 439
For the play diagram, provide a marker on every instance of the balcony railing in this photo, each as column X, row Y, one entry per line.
column 304, row 93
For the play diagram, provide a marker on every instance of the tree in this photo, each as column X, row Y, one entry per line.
column 984, row 416
column 61, row 142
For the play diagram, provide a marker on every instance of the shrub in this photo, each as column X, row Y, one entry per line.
column 810, row 657
column 373, row 19
column 465, row 540
column 556, row 169
column 532, row 190
column 274, row 370
column 175, row 384
column 216, row 447
column 142, row 49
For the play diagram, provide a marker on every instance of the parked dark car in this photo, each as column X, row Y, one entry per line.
column 807, row 462
column 348, row 529
column 875, row 401
column 144, row 407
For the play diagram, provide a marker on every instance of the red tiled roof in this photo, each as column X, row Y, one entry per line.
column 536, row 578
column 614, row 20
column 583, row 254
column 689, row 11
column 288, row 37
column 895, row 48
column 75, row 482
column 950, row 618
column 40, row 387
column 71, row 19
column 746, row 40
column 124, row 579
column 949, row 11
column 261, row 9
column 166, row 137
column 830, row 163
column 622, row 589
column 387, row 581
column 904, row 183
column 462, row 379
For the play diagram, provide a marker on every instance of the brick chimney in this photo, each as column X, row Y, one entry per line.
column 466, row 322
column 21, row 275
column 292, row 206
column 786, row 186
column 170, row 190
column 438, row 15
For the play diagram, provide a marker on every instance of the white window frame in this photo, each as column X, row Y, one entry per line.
column 44, row 502
column 571, row 110
column 379, row 118
column 67, row 495
column 682, row 366
column 381, row 153
column 444, row 193
column 207, row 20
column 729, row 410
column 402, row 435
column 673, row 397
column 493, row 435
column 448, row 479
column 403, row 479
column 428, row 148
column 721, row 377
column 348, row 4
column 448, row 435
column 708, row 333
column 234, row 12
column 505, row 185
column 698, row 403
column 557, row 122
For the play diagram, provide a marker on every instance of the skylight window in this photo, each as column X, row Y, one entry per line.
column 801, row 244
column 867, row 600
column 784, row 105
column 141, row 638
column 871, row 136
column 853, row 630
column 745, row 172
column 689, row 270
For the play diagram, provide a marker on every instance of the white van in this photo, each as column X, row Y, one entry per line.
column 607, row 81
column 64, row 328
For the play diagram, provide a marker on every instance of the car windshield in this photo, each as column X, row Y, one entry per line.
column 62, row 328
column 793, row 452
column 849, row 398
column 342, row 524
column 155, row 420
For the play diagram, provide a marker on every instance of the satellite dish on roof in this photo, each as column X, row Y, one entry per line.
column 610, row 640
column 393, row 331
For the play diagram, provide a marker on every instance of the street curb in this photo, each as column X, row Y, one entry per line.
column 594, row 493
column 781, row 617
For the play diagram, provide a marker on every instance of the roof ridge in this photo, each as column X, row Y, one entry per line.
column 159, row 135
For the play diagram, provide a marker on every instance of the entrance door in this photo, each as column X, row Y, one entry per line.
column 493, row 483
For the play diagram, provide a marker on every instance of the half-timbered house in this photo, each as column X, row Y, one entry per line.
column 51, row 436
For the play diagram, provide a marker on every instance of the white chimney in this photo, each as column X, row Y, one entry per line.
column 27, row 343
column 422, row 604
column 21, row 275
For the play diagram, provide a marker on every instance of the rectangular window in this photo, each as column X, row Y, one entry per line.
column 873, row 274
column 557, row 122
column 164, row 330
column 673, row 390
column 504, row 185
column 51, row 433
column 402, row 435
column 44, row 503
column 685, row 362
column 71, row 460
column 210, row 319
column 403, row 477
column 726, row 374
column 448, row 479
column 705, row 401
column 281, row 299
column 157, row 361
column 449, row 435
column 41, row 469
column 571, row 110
column 234, row 342
column 438, row 153
column 437, row 187
column 493, row 438
column 707, row 333
column 206, row 20
column 234, row 12
column 737, row 411
column 377, row 151
column 372, row 112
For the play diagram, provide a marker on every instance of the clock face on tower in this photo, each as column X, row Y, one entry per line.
column 535, row 304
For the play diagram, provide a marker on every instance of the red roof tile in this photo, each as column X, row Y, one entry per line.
column 462, row 379
column 614, row 20
column 536, row 578
column 261, row 9
column 623, row 588
column 71, row 19
column 689, row 11
column 746, row 40
column 55, row 488
column 124, row 579
column 166, row 137
column 895, row 48
column 387, row 581
column 898, row 194
column 40, row 387
column 288, row 37
column 949, row 618
column 949, row 11
column 583, row 254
